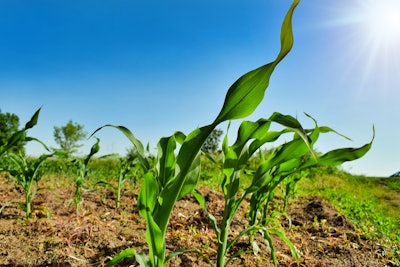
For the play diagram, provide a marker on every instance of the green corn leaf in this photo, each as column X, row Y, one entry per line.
column 166, row 159
column 187, row 154
column 269, row 136
column 29, row 139
column 289, row 166
column 291, row 124
column 247, row 131
column 247, row 92
column 33, row 121
column 230, row 163
column 326, row 129
column 268, row 238
column 282, row 236
column 321, row 129
column 253, row 228
column 138, row 145
column 286, row 157
column 192, row 177
column 142, row 259
column 286, row 120
column 339, row 156
column 250, row 130
column 127, row 253
column 179, row 137
column 287, row 151
column 95, row 148
column 148, row 195
column 314, row 133
column 156, row 242
column 146, row 201
column 259, row 181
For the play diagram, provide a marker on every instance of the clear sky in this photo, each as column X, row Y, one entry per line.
column 160, row 66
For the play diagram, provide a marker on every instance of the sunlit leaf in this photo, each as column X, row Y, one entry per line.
column 127, row 253
column 247, row 92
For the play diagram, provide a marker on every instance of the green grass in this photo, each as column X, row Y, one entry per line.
column 372, row 204
column 392, row 183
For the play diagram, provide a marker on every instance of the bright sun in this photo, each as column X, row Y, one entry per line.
column 381, row 20
column 372, row 28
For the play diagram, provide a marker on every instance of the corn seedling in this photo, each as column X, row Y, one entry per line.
column 124, row 173
column 82, row 172
column 176, row 176
column 26, row 173
column 126, row 166
column 289, row 185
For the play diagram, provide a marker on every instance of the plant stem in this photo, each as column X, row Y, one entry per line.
column 223, row 239
column 28, row 200
column 120, row 182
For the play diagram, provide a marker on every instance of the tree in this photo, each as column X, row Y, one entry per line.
column 9, row 124
column 68, row 136
column 212, row 143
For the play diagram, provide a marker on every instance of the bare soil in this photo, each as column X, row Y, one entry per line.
column 57, row 235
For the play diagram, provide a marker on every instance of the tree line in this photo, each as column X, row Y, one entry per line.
column 69, row 136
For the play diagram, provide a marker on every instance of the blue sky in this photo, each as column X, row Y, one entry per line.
column 158, row 66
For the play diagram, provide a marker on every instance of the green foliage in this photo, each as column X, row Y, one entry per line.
column 82, row 167
column 368, row 202
column 26, row 172
column 68, row 136
column 288, row 161
column 127, row 169
column 393, row 183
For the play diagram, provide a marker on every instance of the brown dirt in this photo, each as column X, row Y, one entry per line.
column 58, row 236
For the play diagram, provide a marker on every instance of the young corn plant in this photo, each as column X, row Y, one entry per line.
column 288, row 159
column 177, row 175
column 124, row 174
column 126, row 165
column 27, row 174
column 289, row 186
column 24, row 172
column 82, row 167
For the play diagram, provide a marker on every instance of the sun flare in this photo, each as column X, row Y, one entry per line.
column 371, row 42
column 381, row 20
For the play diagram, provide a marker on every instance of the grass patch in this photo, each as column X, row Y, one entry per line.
column 371, row 203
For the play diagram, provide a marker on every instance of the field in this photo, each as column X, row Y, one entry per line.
column 58, row 235
column 244, row 205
